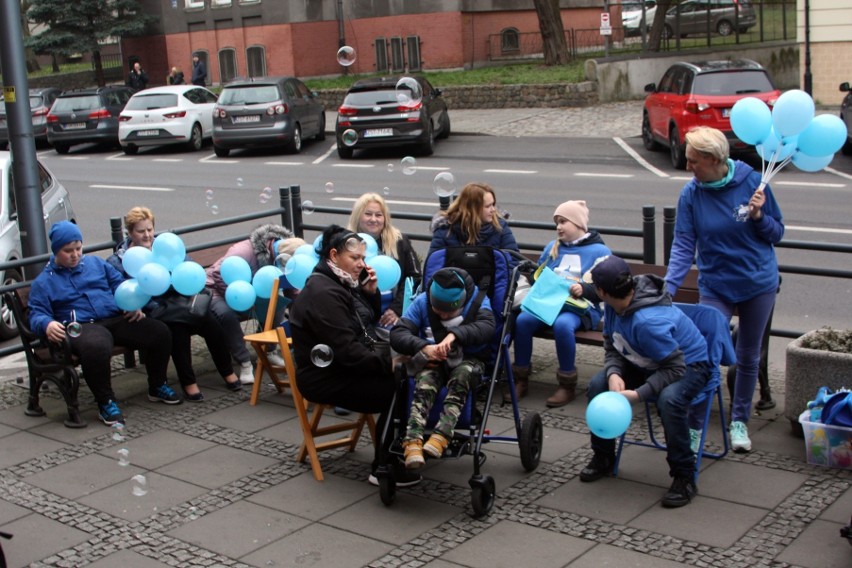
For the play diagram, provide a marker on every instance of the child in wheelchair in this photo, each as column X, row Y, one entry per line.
column 445, row 332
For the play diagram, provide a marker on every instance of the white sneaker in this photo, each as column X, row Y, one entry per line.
column 740, row 441
column 274, row 359
column 246, row 373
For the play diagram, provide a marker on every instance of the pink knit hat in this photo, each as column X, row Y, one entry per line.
column 574, row 211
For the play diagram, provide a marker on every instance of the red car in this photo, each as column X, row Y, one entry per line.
column 701, row 94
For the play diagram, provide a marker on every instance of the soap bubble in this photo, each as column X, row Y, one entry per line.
column 123, row 457
column 265, row 195
column 408, row 92
column 307, row 207
column 214, row 209
column 349, row 137
column 386, row 190
column 140, row 485
column 390, row 168
column 346, row 55
column 444, row 184
column 504, row 213
column 74, row 329
column 118, row 432
column 409, row 165
column 329, row 187
column 193, row 513
column 208, row 195
column 239, row 182
column 322, row 355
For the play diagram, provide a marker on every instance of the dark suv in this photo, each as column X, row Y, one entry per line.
column 86, row 115
column 375, row 113
column 40, row 101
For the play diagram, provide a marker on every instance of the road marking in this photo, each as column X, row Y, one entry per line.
column 75, row 157
column 391, row 202
column 808, row 184
column 510, row 171
column 285, row 163
column 587, row 174
column 352, row 166
column 837, row 173
column 818, row 230
column 326, row 155
column 428, row 168
column 168, row 159
column 119, row 157
column 209, row 159
column 132, row 187
column 639, row 159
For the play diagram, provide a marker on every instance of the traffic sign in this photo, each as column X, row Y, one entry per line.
column 606, row 27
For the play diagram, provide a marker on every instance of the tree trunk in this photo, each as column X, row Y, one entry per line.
column 656, row 36
column 552, row 32
column 99, row 68
column 32, row 62
column 54, row 63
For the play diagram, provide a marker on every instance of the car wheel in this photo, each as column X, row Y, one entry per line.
column 4, row 145
column 221, row 152
column 344, row 152
column 130, row 149
column 196, row 138
column 445, row 126
column 725, row 28
column 678, row 151
column 647, row 136
column 295, row 144
column 427, row 147
column 321, row 134
column 8, row 326
column 61, row 148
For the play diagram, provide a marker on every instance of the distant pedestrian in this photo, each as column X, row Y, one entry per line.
column 137, row 79
column 176, row 77
column 199, row 71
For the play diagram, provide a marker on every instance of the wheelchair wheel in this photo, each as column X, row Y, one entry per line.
column 530, row 441
column 387, row 490
column 482, row 495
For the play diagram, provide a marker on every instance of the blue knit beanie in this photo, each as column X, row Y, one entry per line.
column 62, row 233
column 447, row 291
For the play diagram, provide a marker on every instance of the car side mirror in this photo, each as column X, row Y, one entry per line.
column 650, row 87
column 844, row 87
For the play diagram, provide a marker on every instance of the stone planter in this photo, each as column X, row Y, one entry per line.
column 809, row 369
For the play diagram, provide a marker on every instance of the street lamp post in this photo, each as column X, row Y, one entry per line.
column 808, row 83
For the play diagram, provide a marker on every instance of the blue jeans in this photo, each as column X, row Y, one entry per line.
column 753, row 317
column 563, row 332
column 672, row 405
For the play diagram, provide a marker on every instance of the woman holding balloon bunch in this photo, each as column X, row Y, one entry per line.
column 730, row 218
column 139, row 224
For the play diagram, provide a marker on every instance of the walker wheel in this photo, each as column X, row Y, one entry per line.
column 482, row 496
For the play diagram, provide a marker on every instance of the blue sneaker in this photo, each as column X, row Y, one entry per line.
column 110, row 414
column 164, row 393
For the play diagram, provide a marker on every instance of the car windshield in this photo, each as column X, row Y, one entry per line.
column 249, row 95
column 738, row 83
column 152, row 101
column 365, row 98
column 75, row 104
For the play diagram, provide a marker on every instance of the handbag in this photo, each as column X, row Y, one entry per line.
column 549, row 296
column 177, row 308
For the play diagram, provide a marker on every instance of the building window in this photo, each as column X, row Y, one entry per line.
column 397, row 55
column 509, row 40
column 256, row 59
column 227, row 64
column 413, row 44
column 220, row 2
column 381, row 54
column 194, row 3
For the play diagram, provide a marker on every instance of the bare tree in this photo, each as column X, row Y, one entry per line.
column 552, row 32
column 656, row 36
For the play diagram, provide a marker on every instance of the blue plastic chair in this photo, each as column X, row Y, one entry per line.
column 716, row 331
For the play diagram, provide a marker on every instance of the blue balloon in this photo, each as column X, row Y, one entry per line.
column 387, row 270
column 751, row 120
column 263, row 280
column 188, row 278
column 240, row 296
column 318, row 244
column 169, row 250
column 772, row 146
column 608, row 415
column 129, row 297
column 307, row 249
column 298, row 269
column 825, row 135
column 372, row 245
column 792, row 113
column 235, row 269
column 811, row 163
column 154, row 279
column 135, row 258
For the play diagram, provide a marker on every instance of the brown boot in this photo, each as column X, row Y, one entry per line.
column 522, row 383
column 565, row 391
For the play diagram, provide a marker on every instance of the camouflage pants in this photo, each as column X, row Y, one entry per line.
column 428, row 383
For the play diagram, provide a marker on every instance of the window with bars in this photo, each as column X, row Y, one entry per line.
column 413, row 44
column 381, row 45
column 256, row 59
column 227, row 64
column 509, row 40
column 397, row 55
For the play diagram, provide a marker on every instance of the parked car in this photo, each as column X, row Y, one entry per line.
column 631, row 17
column 266, row 111
column 373, row 111
column 846, row 116
column 40, row 101
column 176, row 114
column 86, row 115
column 694, row 17
column 56, row 206
column 700, row 94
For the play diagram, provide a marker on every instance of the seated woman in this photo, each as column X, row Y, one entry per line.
column 472, row 219
column 328, row 312
column 139, row 223
column 75, row 287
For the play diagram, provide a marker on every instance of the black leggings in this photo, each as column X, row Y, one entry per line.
column 217, row 345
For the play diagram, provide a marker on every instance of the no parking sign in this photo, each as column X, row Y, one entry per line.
column 606, row 27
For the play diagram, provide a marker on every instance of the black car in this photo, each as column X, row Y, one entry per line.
column 40, row 101
column 86, row 115
column 375, row 113
column 846, row 117
column 266, row 111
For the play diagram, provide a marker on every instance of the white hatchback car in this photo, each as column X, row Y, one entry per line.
column 56, row 206
column 177, row 114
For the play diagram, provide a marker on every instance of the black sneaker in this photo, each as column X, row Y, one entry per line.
column 681, row 492
column 600, row 466
column 110, row 414
column 164, row 393
column 403, row 477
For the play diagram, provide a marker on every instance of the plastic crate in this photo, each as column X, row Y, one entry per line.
column 826, row 445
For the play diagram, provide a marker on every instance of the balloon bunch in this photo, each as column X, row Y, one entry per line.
column 788, row 133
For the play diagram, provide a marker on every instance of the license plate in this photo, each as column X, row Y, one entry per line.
column 75, row 125
column 147, row 132
column 726, row 113
column 247, row 118
column 375, row 132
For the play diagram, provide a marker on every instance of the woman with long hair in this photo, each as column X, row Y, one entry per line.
column 472, row 219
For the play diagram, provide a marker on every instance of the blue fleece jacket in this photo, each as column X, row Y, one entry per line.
column 736, row 255
column 87, row 289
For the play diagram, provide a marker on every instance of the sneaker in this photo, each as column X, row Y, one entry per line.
column 246, row 373
column 164, row 393
column 740, row 441
column 600, row 466
column 402, row 476
column 110, row 414
column 435, row 445
column 275, row 359
column 414, row 454
column 681, row 492
column 695, row 440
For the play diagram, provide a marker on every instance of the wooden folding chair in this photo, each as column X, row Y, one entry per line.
column 311, row 429
column 260, row 341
